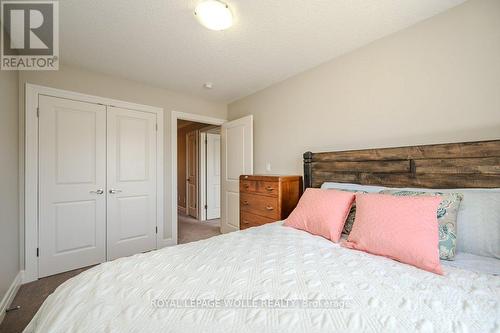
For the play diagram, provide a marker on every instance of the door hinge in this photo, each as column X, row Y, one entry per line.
column 37, row 112
column 156, row 127
column 156, row 229
column 37, row 252
column 206, row 206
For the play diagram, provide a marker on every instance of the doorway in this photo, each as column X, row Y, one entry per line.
column 198, row 180
column 236, row 149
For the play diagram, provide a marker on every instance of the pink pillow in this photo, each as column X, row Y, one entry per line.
column 321, row 212
column 400, row 228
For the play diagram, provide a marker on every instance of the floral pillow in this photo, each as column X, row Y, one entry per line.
column 352, row 213
column 447, row 218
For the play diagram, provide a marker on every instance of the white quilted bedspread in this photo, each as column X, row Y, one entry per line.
column 277, row 263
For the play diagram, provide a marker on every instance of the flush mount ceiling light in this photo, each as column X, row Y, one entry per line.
column 214, row 15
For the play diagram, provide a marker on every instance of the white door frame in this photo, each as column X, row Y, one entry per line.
column 173, row 140
column 31, row 165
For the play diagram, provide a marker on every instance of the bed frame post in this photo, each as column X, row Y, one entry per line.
column 307, row 169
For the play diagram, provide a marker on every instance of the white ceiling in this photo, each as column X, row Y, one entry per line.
column 159, row 42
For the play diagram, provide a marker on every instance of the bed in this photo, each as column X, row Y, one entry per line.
column 278, row 279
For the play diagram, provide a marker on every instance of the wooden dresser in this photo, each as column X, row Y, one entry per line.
column 265, row 199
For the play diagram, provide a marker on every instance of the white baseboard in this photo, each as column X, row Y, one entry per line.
column 10, row 294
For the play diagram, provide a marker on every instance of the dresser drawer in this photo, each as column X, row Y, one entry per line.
column 248, row 186
column 261, row 205
column 248, row 220
column 260, row 187
column 268, row 188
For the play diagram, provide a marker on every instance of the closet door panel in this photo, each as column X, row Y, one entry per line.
column 131, row 172
column 72, row 180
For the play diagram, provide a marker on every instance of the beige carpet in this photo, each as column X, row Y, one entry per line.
column 31, row 296
column 191, row 230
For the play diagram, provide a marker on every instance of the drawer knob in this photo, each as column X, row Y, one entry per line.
column 269, row 207
column 247, row 186
column 244, row 222
column 269, row 188
column 245, row 202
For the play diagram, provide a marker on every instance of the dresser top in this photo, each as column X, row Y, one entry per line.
column 271, row 178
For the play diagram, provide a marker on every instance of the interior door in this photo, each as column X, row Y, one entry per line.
column 131, row 173
column 213, row 176
column 237, row 159
column 72, row 181
column 192, row 173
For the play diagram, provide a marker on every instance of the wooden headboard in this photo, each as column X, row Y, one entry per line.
column 454, row 165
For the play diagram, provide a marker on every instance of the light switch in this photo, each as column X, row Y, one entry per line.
column 268, row 167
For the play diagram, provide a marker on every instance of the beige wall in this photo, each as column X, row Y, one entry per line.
column 438, row 81
column 9, row 184
column 82, row 81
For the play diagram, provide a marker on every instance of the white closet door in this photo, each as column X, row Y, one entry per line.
column 72, row 180
column 131, row 192
column 213, row 176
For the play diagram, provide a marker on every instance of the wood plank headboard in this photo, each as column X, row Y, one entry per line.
column 454, row 165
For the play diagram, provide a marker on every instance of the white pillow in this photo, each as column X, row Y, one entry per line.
column 475, row 263
column 478, row 220
column 352, row 187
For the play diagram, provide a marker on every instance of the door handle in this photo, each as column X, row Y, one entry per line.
column 99, row 191
column 113, row 191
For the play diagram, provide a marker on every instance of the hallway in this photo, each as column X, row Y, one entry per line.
column 191, row 230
